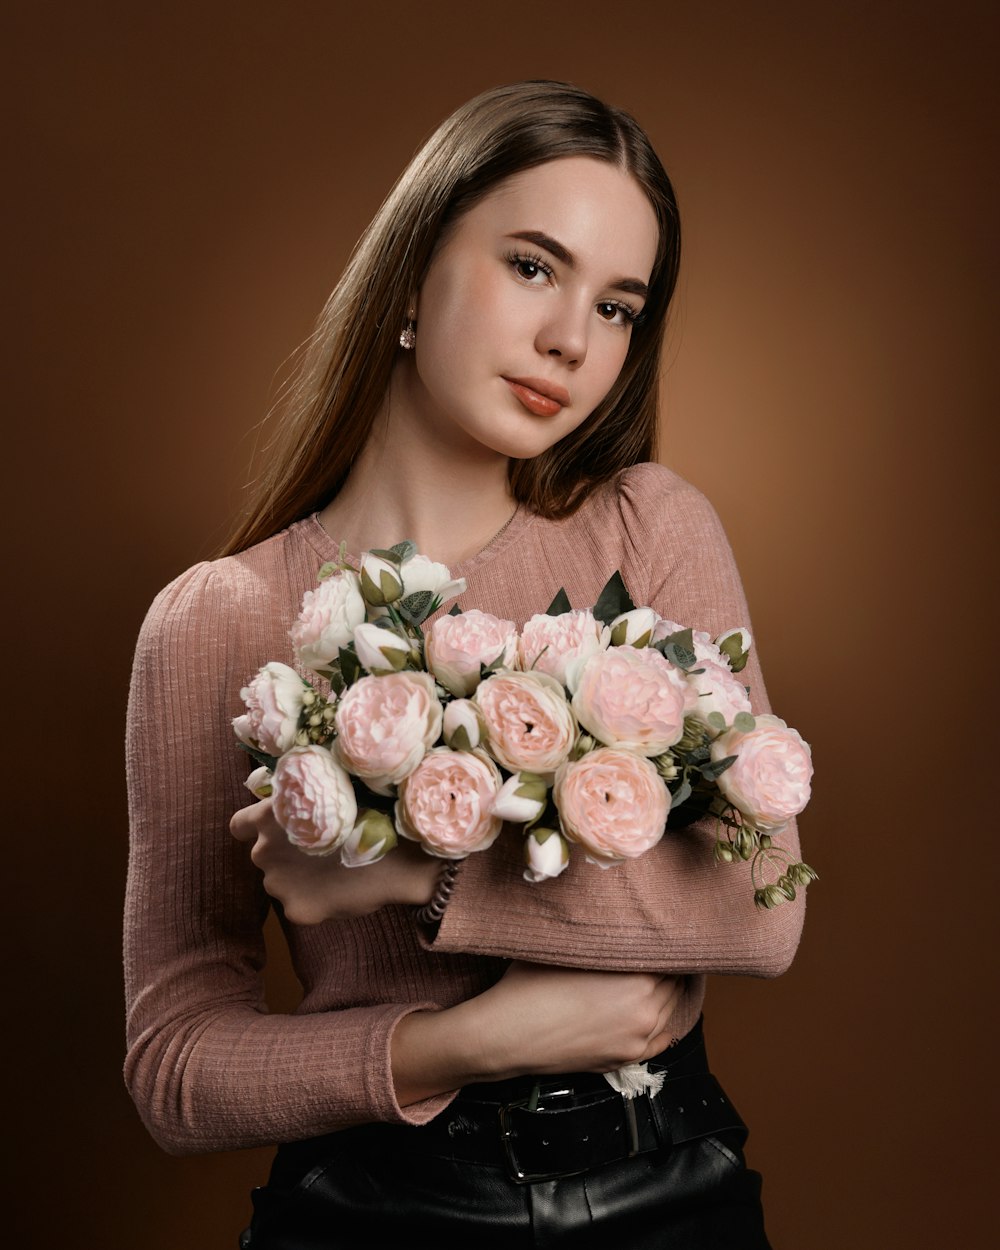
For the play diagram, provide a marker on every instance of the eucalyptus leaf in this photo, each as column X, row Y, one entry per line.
column 679, row 655
column 717, row 721
column 392, row 555
column 716, row 768
column 682, row 792
column 404, row 549
column 418, row 604
column 744, row 722
column 613, row 600
column 559, row 604
column 326, row 570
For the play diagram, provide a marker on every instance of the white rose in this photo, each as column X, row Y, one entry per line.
column 274, row 703
column 634, row 629
column 379, row 579
column 546, row 853
column 381, row 650
column 522, row 798
column 327, row 620
column 421, row 573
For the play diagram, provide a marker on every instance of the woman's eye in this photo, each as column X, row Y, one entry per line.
column 529, row 267
column 617, row 314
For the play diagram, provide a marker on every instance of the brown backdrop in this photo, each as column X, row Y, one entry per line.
column 187, row 182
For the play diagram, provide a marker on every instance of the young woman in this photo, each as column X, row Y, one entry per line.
column 482, row 381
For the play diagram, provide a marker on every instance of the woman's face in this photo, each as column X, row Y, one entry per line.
column 524, row 315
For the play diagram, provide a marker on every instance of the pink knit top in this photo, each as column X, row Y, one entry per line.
column 208, row 1066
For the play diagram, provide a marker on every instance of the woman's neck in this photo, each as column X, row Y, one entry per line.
column 449, row 497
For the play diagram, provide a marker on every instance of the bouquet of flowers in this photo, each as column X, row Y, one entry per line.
column 595, row 728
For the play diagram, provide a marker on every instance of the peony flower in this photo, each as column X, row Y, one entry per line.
column 379, row 579
column 549, row 643
column 327, row 620
column 259, row 783
column 456, row 646
column 702, row 645
column 634, row 629
column 613, row 803
column 546, row 853
column 463, row 725
column 522, row 798
column 371, row 839
column 529, row 724
column 445, row 803
column 421, row 573
column 274, row 705
column 381, row 650
column 385, row 725
column 735, row 645
column 769, row 781
column 718, row 691
column 632, row 699
column 314, row 800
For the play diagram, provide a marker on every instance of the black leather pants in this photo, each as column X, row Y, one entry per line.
column 386, row 1185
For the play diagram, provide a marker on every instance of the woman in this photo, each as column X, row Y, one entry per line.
column 484, row 382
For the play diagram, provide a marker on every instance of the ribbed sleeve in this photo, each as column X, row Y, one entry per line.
column 208, row 1067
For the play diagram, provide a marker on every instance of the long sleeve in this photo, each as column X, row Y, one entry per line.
column 207, row 1066
column 674, row 909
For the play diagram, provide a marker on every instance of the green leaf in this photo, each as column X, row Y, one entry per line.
column 261, row 757
column 613, row 600
column 454, row 610
column 392, row 556
column 744, row 722
column 417, row 605
column 559, row 604
column 326, row 570
column 679, row 655
column 682, row 793
column 404, row 549
column 716, row 768
column 350, row 666
column 717, row 721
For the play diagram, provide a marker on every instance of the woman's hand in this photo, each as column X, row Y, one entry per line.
column 536, row 1019
column 314, row 888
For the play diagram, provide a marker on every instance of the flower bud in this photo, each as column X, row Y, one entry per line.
column 463, row 725
column 381, row 650
column 546, row 854
column 381, row 580
column 373, row 836
column 259, row 783
column 735, row 645
column 633, row 629
column 521, row 799
column 723, row 852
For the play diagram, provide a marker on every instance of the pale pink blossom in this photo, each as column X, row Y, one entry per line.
column 456, row 646
column 446, row 803
column 633, row 699
column 769, row 781
column 546, row 855
column 314, row 800
column 385, row 725
column 718, row 691
column 529, row 724
column 273, row 700
column 634, row 628
column 327, row 619
column 613, row 803
column 549, row 643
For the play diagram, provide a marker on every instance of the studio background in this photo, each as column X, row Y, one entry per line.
column 186, row 185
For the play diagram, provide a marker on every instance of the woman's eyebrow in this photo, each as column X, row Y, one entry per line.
column 630, row 285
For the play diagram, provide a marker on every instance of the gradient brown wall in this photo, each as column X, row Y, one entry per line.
column 187, row 183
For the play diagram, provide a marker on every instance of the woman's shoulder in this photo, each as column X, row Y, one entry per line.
column 649, row 503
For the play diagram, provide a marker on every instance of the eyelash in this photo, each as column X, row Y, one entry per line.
column 632, row 315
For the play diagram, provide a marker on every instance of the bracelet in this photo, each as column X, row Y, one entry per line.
column 431, row 913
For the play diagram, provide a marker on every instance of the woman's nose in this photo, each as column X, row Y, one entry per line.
column 564, row 334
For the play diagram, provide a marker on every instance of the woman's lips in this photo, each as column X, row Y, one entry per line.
column 544, row 399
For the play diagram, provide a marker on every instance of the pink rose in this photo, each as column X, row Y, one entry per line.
column 529, row 724
column 314, row 800
column 457, row 645
column 613, row 803
column 327, row 620
column 769, row 781
column 445, row 803
column 274, row 705
column 632, row 699
column 549, row 643
column 718, row 691
column 385, row 725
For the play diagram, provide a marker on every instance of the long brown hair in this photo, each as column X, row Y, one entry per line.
column 342, row 379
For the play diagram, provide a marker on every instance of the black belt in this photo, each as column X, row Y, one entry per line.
column 577, row 1123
